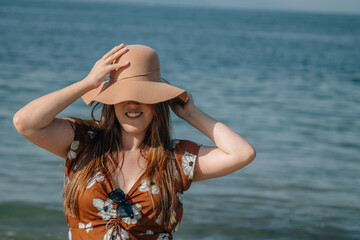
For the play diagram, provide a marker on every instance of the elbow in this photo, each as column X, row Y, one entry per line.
column 247, row 156
column 19, row 123
column 252, row 154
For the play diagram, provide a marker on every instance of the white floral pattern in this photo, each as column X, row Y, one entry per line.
column 144, row 187
column 137, row 214
column 188, row 163
column 73, row 147
column 106, row 209
column 98, row 177
column 115, row 235
column 87, row 227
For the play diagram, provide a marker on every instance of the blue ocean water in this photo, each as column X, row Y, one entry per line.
column 288, row 82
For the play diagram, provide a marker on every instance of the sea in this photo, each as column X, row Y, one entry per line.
column 287, row 82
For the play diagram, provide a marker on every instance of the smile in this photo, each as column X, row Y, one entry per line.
column 133, row 115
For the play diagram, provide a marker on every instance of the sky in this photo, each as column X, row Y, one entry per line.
column 323, row 6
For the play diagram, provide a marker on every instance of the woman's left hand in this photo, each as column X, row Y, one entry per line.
column 231, row 153
column 183, row 109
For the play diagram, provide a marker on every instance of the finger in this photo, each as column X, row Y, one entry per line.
column 117, row 66
column 112, row 58
column 112, row 51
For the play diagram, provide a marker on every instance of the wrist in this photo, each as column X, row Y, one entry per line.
column 192, row 113
column 88, row 84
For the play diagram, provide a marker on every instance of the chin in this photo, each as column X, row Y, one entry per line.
column 133, row 130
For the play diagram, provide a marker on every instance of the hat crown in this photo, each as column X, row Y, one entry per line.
column 140, row 81
column 144, row 64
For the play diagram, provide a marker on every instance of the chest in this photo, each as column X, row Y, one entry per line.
column 128, row 172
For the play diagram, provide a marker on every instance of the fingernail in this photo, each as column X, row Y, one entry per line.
column 127, row 62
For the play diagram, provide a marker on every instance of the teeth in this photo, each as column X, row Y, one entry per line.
column 133, row 114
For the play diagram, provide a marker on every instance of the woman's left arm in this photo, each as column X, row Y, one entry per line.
column 231, row 153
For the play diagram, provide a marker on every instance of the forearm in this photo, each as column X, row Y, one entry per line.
column 224, row 137
column 41, row 112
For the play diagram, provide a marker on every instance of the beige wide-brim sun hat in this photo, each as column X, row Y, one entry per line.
column 140, row 81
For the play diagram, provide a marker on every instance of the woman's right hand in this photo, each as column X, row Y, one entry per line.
column 105, row 65
column 37, row 120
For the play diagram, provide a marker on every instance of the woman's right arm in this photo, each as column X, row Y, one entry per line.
column 37, row 120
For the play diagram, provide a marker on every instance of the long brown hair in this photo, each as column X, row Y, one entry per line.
column 103, row 151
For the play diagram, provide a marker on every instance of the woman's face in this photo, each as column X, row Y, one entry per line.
column 133, row 117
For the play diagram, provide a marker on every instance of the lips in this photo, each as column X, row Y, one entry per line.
column 133, row 114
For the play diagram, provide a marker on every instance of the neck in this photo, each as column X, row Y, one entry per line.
column 131, row 142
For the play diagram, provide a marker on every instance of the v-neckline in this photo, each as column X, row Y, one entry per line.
column 133, row 187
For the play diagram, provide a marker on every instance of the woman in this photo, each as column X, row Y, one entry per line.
column 124, row 176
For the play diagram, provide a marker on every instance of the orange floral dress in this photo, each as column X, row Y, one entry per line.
column 98, row 218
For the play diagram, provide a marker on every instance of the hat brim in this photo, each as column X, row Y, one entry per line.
column 141, row 91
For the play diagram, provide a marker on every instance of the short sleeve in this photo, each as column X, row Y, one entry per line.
column 186, row 153
column 82, row 137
